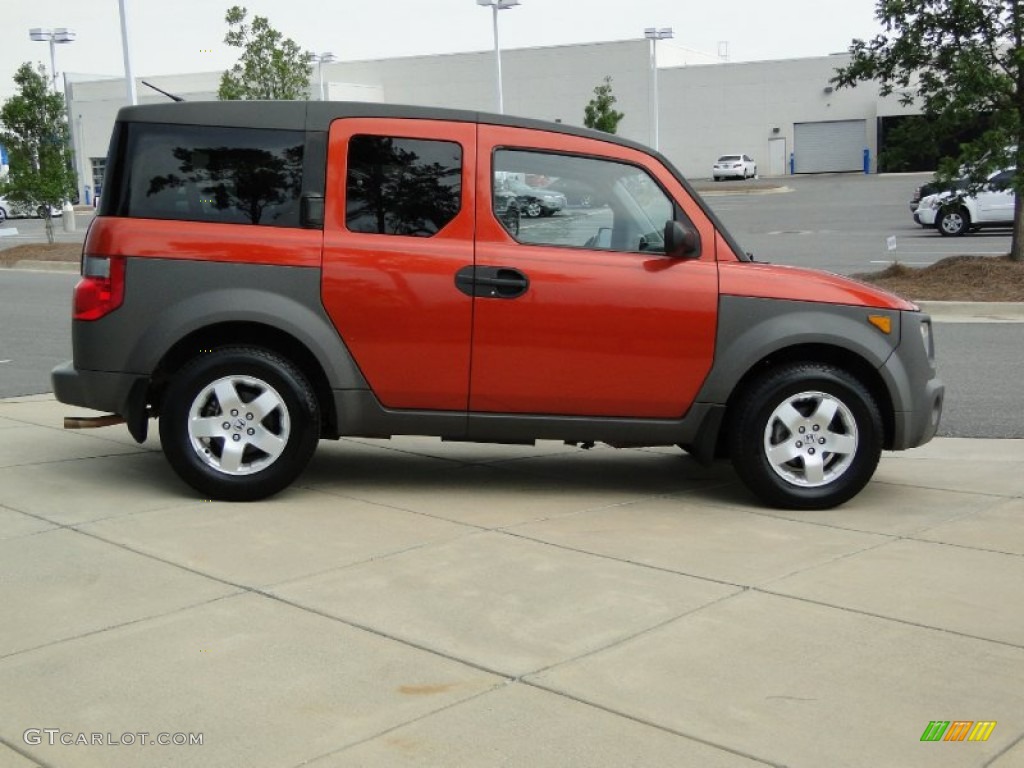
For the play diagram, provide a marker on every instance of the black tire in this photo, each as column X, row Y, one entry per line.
column 953, row 222
column 3, row 215
column 274, row 440
column 533, row 209
column 827, row 408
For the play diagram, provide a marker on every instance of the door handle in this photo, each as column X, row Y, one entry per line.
column 492, row 282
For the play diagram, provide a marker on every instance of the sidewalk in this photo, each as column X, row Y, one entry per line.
column 418, row 603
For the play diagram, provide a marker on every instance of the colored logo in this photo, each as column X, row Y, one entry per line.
column 958, row 730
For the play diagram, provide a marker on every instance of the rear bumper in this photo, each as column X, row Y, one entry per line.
column 107, row 391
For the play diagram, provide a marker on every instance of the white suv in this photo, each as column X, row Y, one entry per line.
column 954, row 213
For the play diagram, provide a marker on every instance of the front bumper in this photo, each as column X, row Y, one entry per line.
column 918, row 393
column 925, row 216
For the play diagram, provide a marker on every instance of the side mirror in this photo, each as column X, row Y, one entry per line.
column 680, row 241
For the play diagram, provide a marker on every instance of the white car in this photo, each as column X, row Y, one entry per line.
column 954, row 213
column 10, row 209
column 734, row 167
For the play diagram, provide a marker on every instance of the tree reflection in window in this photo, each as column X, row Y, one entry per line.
column 251, row 176
column 401, row 186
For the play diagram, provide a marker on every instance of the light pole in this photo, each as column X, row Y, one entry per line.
column 129, row 76
column 322, row 58
column 654, row 35
column 53, row 37
column 498, row 5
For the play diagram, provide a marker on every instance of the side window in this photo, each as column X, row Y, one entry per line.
column 213, row 174
column 582, row 202
column 1002, row 181
column 399, row 186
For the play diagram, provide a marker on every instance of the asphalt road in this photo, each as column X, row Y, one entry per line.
column 21, row 231
column 841, row 223
column 35, row 329
column 982, row 364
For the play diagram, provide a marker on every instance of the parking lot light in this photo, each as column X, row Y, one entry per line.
column 495, row 6
column 53, row 37
column 654, row 34
column 322, row 58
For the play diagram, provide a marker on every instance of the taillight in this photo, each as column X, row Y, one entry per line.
column 101, row 289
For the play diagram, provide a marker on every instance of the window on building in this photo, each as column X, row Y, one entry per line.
column 99, row 167
column 399, row 186
column 214, row 174
column 581, row 202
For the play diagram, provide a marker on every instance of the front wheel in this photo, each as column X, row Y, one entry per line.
column 239, row 423
column 954, row 222
column 533, row 209
column 806, row 436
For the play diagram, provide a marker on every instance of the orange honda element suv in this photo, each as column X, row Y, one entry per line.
column 264, row 275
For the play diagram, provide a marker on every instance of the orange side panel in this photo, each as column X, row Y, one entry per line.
column 204, row 241
column 773, row 281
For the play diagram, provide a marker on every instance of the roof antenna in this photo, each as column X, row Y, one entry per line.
column 170, row 96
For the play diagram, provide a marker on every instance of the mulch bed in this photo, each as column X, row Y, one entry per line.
column 957, row 278
column 69, row 252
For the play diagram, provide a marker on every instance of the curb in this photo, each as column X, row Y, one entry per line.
column 29, row 265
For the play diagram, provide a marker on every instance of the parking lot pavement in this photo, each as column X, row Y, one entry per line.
column 418, row 603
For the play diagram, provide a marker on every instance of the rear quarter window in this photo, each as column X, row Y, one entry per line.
column 402, row 186
column 212, row 174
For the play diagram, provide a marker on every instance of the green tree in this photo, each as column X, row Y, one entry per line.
column 599, row 113
column 270, row 67
column 35, row 131
column 958, row 59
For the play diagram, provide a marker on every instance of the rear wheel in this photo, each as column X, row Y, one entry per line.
column 3, row 215
column 806, row 436
column 533, row 209
column 239, row 423
column 954, row 222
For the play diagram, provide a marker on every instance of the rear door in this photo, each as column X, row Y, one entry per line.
column 398, row 226
column 582, row 313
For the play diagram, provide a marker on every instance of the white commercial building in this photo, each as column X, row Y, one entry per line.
column 775, row 111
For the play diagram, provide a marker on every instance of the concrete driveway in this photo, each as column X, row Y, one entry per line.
column 418, row 603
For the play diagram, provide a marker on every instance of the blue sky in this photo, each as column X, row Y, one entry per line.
column 187, row 35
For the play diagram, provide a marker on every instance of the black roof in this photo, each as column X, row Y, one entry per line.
column 317, row 116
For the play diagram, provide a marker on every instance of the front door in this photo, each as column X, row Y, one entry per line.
column 996, row 201
column 586, row 316
column 398, row 225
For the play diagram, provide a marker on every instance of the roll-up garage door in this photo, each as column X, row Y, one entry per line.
column 829, row 147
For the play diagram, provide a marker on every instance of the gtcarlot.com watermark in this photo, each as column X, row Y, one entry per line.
column 56, row 736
